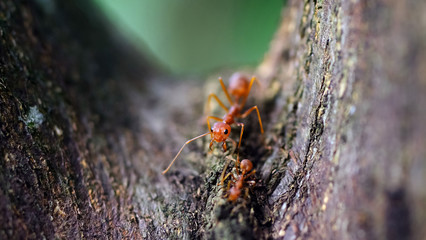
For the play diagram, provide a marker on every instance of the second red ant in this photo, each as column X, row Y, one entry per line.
column 239, row 88
column 244, row 170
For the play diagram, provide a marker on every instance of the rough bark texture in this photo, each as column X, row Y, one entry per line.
column 86, row 132
column 355, row 119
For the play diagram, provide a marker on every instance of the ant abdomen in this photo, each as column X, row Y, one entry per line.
column 246, row 165
column 238, row 85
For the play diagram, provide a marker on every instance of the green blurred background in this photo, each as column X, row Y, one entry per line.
column 197, row 36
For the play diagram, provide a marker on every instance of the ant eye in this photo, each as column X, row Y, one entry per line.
column 211, row 129
column 226, row 131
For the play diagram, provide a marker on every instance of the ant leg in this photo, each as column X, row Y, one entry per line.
column 230, row 158
column 214, row 118
column 222, row 176
column 212, row 95
column 226, row 91
column 258, row 116
column 248, row 91
column 234, row 144
column 210, row 146
column 251, row 173
column 246, row 193
column 174, row 159
column 257, row 81
column 227, row 188
column 238, row 163
column 241, row 135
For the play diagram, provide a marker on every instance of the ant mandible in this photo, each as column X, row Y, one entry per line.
column 239, row 88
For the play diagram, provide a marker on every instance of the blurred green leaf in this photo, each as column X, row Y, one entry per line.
column 188, row 36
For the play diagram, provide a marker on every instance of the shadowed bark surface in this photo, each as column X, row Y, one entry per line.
column 87, row 127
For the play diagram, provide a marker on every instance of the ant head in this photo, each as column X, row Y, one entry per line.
column 238, row 85
column 220, row 131
column 246, row 165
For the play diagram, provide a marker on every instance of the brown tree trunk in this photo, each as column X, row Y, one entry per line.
column 87, row 128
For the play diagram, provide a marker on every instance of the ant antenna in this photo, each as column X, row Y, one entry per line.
column 174, row 159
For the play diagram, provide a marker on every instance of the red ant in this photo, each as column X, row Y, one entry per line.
column 245, row 167
column 239, row 87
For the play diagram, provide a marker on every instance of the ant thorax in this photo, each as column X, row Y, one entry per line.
column 234, row 111
column 239, row 182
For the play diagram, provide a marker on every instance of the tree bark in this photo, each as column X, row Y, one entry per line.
column 87, row 127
